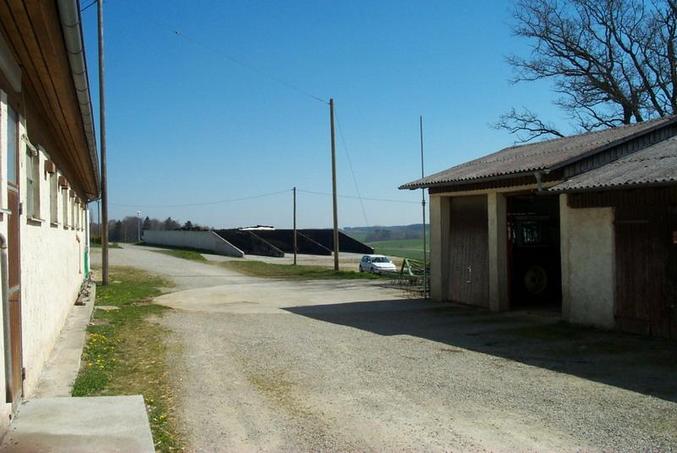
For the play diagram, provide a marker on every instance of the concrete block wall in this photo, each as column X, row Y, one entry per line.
column 200, row 240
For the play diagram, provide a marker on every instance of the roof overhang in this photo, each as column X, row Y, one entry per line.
column 71, row 24
column 45, row 39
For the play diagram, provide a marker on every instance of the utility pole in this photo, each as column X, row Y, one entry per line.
column 295, row 243
column 425, row 248
column 333, row 185
column 102, row 131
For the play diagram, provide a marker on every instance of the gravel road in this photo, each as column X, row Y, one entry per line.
column 269, row 365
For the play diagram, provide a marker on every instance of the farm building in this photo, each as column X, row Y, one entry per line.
column 266, row 241
column 48, row 172
column 585, row 224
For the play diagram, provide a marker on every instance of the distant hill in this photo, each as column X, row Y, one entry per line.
column 386, row 233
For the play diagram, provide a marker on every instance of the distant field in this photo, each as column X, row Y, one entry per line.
column 405, row 248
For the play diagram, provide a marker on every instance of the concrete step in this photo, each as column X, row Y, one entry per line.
column 103, row 424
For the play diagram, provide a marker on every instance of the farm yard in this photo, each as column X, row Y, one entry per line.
column 377, row 370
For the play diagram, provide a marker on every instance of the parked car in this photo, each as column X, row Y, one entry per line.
column 377, row 264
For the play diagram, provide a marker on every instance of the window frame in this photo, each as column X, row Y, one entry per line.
column 33, row 186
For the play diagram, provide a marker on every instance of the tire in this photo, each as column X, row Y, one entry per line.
column 536, row 280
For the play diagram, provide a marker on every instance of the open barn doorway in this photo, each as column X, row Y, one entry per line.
column 534, row 264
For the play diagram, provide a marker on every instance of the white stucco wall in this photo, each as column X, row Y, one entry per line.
column 201, row 240
column 52, row 272
column 588, row 265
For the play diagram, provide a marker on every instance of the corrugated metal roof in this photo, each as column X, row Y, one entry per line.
column 540, row 156
column 656, row 164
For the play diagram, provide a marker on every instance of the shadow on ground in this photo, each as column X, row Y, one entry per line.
column 640, row 364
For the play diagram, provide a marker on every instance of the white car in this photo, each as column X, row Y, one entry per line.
column 377, row 264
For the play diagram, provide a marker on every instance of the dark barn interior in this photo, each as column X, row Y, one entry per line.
column 534, row 263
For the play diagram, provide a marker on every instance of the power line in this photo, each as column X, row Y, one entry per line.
column 92, row 3
column 350, row 165
column 263, row 74
column 385, row 200
column 205, row 203
column 253, row 197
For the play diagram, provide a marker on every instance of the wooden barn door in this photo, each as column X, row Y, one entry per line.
column 644, row 281
column 671, row 272
column 468, row 251
column 15, row 381
column 14, row 375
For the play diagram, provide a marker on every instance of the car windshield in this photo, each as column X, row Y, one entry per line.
column 380, row 259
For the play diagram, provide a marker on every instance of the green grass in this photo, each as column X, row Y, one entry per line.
column 184, row 254
column 111, row 245
column 125, row 353
column 261, row 269
column 404, row 248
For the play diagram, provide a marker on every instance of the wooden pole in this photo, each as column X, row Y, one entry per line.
column 295, row 240
column 102, row 131
column 425, row 248
column 333, row 185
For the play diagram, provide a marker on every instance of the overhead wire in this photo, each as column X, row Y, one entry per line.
column 290, row 86
column 385, row 200
column 92, row 3
column 205, row 203
column 350, row 166
column 234, row 60
column 263, row 195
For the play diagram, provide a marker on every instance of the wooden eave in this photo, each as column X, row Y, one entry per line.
column 33, row 30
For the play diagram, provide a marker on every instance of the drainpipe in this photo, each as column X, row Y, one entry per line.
column 539, row 181
column 4, row 276
column 72, row 30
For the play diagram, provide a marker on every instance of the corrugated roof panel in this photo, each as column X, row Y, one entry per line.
column 656, row 164
column 545, row 155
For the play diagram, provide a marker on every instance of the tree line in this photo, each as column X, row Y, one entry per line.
column 130, row 228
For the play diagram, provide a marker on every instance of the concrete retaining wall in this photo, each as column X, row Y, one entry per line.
column 199, row 240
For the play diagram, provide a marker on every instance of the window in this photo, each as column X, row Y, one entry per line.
column 11, row 144
column 53, row 198
column 64, row 206
column 32, row 182
column 78, row 216
column 72, row 209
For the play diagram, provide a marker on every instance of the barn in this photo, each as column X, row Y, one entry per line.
column 584, row 225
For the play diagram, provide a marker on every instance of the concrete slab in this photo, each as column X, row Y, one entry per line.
column 62, row 367
column 103, row 424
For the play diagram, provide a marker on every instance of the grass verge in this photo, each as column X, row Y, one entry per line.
column 184, row 254
column 125, row 353
column 270, row 270
column 111, row 245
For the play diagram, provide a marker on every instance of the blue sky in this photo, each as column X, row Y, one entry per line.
column 188, row 126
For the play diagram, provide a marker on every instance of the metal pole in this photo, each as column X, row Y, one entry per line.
column 425, row 248
column 295, row 240
column 102, row 131
column 333, row 185
column 138, row 234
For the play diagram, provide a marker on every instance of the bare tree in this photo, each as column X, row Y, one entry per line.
column 612, row 62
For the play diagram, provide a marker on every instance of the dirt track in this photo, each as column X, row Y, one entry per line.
column 275, row 365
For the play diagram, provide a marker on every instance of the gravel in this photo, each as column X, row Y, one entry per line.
column 272, row 365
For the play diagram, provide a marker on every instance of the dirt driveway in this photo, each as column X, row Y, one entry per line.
column 278, row 365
